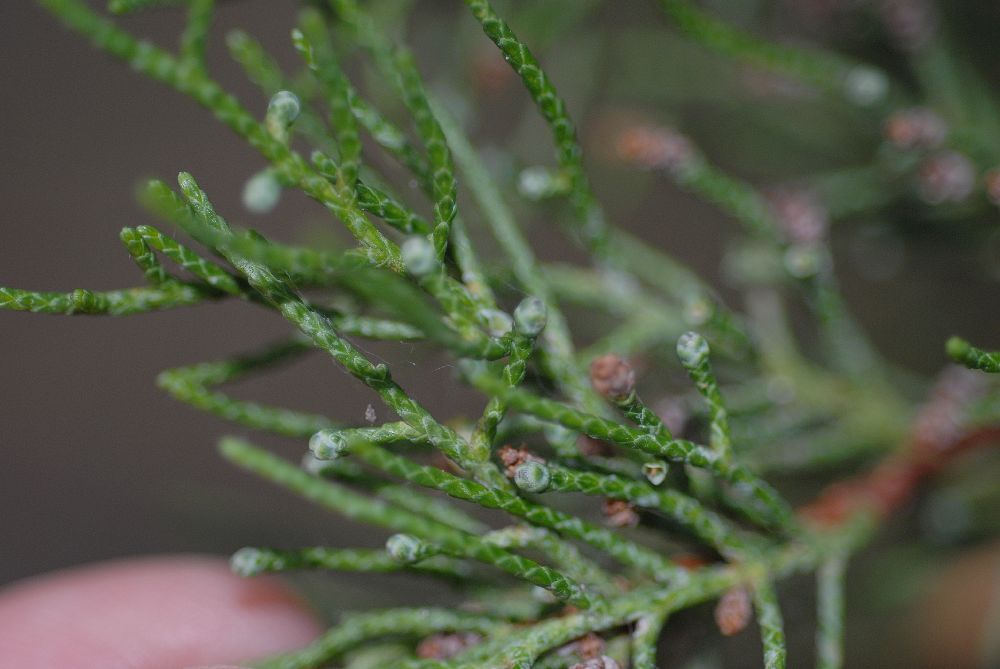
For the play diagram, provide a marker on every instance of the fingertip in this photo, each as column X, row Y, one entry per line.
column 149, row 613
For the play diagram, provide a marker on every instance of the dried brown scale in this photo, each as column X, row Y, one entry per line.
column 446, row 645
column 937, row 436
column 733, row 611
column 802, row 217
column 652, row 147
column 915, row 128
column 512, row 458
column 620, row 513
column 612, row 377
column 946, row 176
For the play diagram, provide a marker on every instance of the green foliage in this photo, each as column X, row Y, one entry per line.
column 417, row 278
column 965, row 353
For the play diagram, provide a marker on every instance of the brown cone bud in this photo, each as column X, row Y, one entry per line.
column 511, row 458
column 620, row 513
column 733, row 611
column 612, row 377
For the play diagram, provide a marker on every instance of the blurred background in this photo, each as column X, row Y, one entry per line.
column 97, row 463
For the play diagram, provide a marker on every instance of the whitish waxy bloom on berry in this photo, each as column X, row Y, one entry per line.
column 532, row 477
column 866, row 86
column 498, row 323
column 802, row 261
column 405, row 548
column 284, row 107
column 418, row 256
column 698, row 310
column 538, row 183
column 692, row 349
column 612, row 377
column 261, row 192
column 282, row 111
column 530, row 316
column 247, row 562
column 328, row 444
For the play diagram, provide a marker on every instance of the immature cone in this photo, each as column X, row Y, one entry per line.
column 404, row 548
column 328, row 444
column 692, row 349
column 418, row 256
column 247, row 561
column 732, row 613
column 498, row 323
column 282, row 111
column 865, row 85
column 530, row 316
column 612, row 377
column 261, row 192
column 284, row 106
column 532, row 477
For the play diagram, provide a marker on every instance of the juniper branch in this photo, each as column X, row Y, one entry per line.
column 965, row 353
column 360, row 629
column 772, row 631
column 111, row 302
column 830, row 618
column 775, row 510
column 252, row 561
column 621, row 549
column 379, row 512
